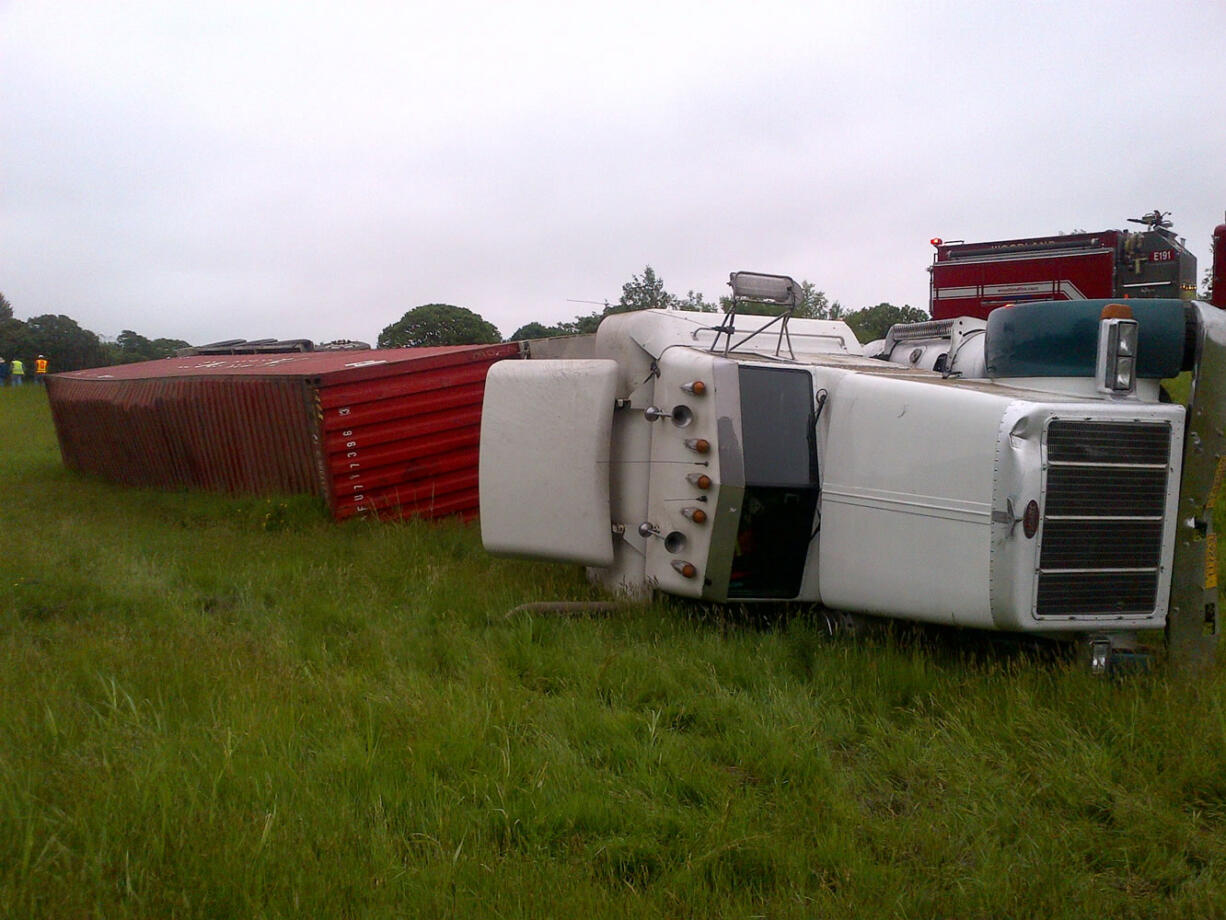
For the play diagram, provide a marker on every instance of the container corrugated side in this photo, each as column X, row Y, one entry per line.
column 242, row 435
column 391, row 432
column 407, row 445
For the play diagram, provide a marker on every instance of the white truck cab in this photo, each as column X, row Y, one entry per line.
column 1030, row 484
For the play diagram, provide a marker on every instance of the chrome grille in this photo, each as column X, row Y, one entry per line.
column 1102, row 519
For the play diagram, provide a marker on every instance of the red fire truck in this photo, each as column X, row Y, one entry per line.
column 972, row 279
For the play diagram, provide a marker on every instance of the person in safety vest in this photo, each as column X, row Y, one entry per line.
column 40, row 370
column 18, row 373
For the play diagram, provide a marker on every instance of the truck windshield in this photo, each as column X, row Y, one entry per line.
column 777, row 427
column 781, row 479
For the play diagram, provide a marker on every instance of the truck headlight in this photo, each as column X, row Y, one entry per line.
column 1125, row 374
column 1116, row 368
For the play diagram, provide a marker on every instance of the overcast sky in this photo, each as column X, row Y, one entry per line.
column 214, row 170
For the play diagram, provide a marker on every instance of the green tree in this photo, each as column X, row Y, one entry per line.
column 694, row 302
column 585, row 325
column 12, row 332
column 166, row 348
column 643, row 292
column 67, row 346
column 813, row 304
column 580, row 325
column 132, row 346
column 438, row 324
column 873, row 323
column 534, row 331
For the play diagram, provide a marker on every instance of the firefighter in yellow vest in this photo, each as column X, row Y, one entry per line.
column 40, row 370
column 18, row 374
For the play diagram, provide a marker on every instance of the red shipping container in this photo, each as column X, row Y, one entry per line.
column 392, row 431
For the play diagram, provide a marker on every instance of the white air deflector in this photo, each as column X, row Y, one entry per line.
column 545, row 432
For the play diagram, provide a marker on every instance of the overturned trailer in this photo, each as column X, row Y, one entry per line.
column 1029, row 480
column 391, row 432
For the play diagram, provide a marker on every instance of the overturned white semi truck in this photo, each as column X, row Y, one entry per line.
column 1018, row 473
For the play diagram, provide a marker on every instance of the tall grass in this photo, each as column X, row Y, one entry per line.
column 218, row 707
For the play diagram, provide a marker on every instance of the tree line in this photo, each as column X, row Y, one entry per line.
column 68, row 347
column 445, row 324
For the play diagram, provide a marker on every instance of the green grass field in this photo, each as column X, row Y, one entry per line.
column 216, row 707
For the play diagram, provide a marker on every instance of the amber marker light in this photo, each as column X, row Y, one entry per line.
column 687, row 569
column 697, row 515
column 699, row 480
column 1116, row 311
column 697, row 387
column 698, row 445
column 1030, row 520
